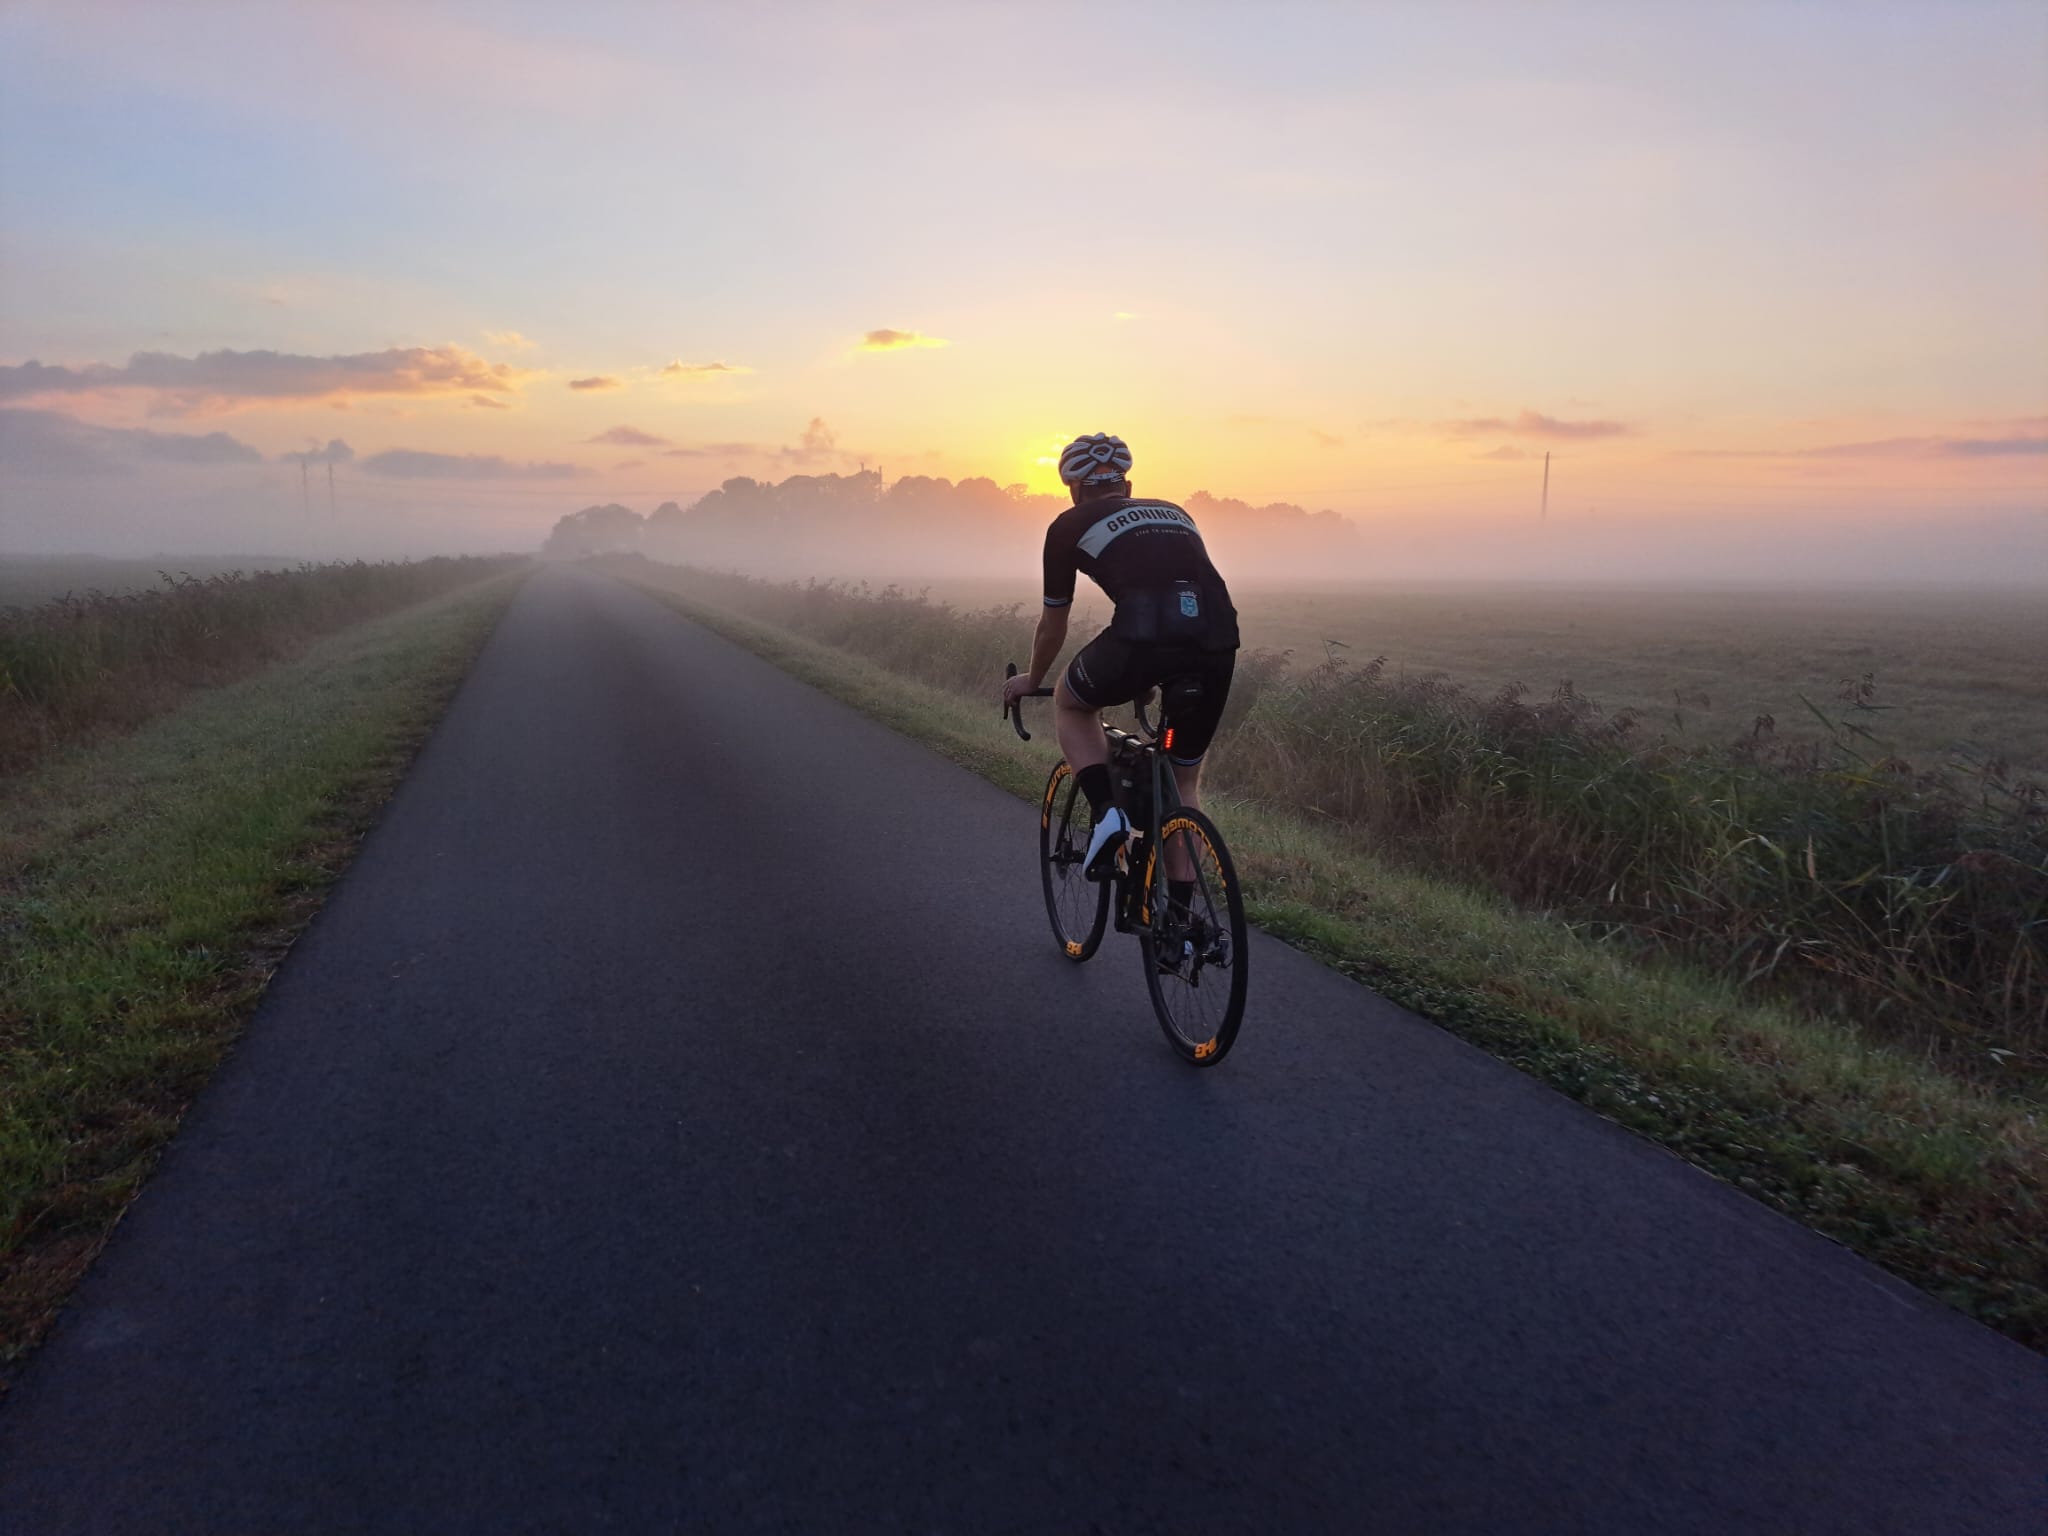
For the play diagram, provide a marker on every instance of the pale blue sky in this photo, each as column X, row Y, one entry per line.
column 1749, row 227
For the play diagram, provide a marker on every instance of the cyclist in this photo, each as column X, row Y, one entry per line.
column 1173, row 621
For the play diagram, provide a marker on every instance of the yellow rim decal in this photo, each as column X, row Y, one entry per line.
column 1052, row 788
column 1074, row 949
column 1188, row 826
column 1206, row 1049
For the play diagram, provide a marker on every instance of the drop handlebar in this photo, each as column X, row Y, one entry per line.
column 1016, row 715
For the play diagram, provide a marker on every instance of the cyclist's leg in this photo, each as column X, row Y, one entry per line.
column 1079, row 728
column 1092, row 682
column 1193, row 730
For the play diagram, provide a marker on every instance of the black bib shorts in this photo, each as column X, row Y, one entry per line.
column 1110, row 670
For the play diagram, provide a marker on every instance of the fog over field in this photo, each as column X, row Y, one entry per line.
column 854, row 524
column 857, row 527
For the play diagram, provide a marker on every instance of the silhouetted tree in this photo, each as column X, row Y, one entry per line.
column 595, row 531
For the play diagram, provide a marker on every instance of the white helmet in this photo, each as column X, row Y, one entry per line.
column 1094, row 459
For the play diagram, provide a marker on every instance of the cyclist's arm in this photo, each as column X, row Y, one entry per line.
column 1046, row 643
column 1060, row 571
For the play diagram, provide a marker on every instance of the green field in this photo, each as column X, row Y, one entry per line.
column 1950, row 668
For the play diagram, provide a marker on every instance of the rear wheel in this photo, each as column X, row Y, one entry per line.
column 1195, row 955
column 1078, row 906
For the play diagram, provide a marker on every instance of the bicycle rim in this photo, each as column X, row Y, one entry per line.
column 1078, row 906
column 1195, row 961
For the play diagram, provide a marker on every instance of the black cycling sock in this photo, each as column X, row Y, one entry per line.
column 1094, row 782
column 1180, row 895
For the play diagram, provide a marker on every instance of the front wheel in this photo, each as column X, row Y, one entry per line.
column 1078, row 906
column 1195, row 949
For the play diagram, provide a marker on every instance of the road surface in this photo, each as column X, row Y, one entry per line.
column 679, row 1119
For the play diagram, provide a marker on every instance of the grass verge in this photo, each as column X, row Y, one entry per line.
column 148, row 888
column 1938, row 1179
column 79, row 667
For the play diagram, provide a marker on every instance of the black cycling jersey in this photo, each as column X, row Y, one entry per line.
column 1173, row 615
column 1130, row 545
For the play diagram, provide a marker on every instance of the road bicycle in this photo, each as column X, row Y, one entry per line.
column 1195, row 953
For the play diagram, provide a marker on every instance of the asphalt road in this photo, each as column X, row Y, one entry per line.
column 679, row 1119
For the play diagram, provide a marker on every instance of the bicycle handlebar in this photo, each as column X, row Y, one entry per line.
column 1016, row 715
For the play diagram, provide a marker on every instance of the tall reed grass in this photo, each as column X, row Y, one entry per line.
column 102, row 660
column 1909, row 900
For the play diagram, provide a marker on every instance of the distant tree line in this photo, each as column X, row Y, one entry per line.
column 918, row 525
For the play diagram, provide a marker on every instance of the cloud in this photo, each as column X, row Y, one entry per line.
column 510, row 340
column 414, row 464
column 2021, row 445
column 677, row 368
column 819, row 443
column 629, row 464
column 720, row 451
column 897, row 341
column 1325, row 439
column 1506, row 451
column 818, row 439
column 488, row 403
column 48, row 442
column 1535, row 424
column 336, row 452
column 598, row 381
column 259, row 376
column 1990, row 447
column 1889, row 448
column 628, row 437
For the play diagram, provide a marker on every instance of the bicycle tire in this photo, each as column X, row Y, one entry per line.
column 1077, row 906
column 1194, row 1025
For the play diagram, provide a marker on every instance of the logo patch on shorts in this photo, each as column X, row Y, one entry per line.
column 1190, row 605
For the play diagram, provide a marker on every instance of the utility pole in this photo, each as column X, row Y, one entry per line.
column 1544, row 515
column 330, row 487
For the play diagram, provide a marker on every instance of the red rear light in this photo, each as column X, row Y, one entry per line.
column 1169, row 738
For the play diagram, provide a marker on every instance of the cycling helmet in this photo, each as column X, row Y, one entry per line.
column 1094, row 459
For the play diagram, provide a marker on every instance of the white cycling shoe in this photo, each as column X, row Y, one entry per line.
column 1102, row 847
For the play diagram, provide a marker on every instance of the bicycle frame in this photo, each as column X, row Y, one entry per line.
column 1146, row 802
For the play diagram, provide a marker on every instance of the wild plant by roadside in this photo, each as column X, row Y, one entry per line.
column 109, row 660
column 1913, row 899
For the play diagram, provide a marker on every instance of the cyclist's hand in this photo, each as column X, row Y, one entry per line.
column 1014, row 688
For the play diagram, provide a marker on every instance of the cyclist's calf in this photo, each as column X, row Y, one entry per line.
column 1078, row 728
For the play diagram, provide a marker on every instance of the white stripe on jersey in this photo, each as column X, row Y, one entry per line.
column 1139, row 514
